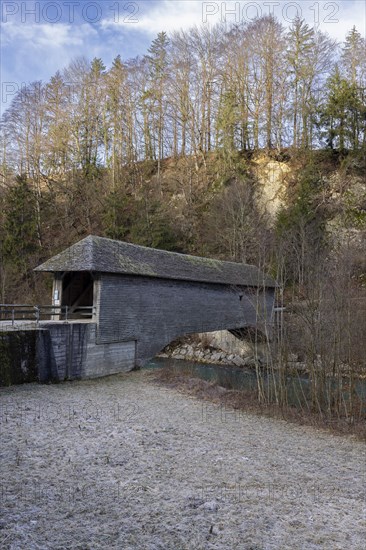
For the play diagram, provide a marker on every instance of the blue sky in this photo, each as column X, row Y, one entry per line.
column 40, row 37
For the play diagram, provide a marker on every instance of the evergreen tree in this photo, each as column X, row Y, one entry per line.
column 20, row 224
column 353, row 65
column 227, row 118
column 354, row 57
column 301, row 227
column 57, row 100
column 158, row 66
column 117, row 115
column 342, row 112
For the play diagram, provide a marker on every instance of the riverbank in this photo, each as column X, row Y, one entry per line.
column 229, row 386
column 222, row 348
column 124, row 462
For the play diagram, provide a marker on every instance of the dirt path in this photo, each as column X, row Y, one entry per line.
column 122, row 463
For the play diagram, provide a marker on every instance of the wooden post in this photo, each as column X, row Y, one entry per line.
column 56, row 297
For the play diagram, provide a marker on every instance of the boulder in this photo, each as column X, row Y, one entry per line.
column 239, row 361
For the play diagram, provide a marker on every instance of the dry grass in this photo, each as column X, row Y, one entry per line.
column 245, row 400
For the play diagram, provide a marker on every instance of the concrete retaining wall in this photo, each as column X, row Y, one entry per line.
column 60, row 351
column 75, row 354
column 18, row 357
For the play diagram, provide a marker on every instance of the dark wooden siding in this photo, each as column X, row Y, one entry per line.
column 156, row 311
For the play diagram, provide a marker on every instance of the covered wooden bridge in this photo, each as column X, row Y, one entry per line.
column 140, row 299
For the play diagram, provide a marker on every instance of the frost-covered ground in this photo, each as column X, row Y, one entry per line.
column 123, row 463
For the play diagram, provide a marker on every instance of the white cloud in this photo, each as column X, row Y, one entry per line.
column 334, row 17
column 36, row 51
column 350, row 13
column 41, row 35
column 152, row 18
column 168, row 16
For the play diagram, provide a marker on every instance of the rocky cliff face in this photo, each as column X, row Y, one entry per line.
column 272, row 177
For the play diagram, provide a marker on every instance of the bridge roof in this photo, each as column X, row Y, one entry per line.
column 101, row 255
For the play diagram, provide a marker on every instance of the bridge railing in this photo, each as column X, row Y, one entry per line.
column 14, row 313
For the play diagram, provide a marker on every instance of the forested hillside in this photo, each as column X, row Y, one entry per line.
column 245, row 144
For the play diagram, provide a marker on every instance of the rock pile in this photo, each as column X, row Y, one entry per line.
column 199, row 352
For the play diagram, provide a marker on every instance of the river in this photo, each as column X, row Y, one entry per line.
column 230, row 377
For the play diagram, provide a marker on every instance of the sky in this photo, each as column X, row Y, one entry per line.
column 40, row 37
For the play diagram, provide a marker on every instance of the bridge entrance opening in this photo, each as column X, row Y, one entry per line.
column 77, row 295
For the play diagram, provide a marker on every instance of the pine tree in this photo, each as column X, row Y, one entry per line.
column 117, row 117
column 158, row 66
column 341, row 112
column 20, row 224
column 57, row 100
column 353, row 65
column 354, row 57
column 226, row 123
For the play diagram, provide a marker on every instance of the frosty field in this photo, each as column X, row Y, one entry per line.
column 124, row 463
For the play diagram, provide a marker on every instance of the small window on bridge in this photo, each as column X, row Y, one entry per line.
column 77, row 295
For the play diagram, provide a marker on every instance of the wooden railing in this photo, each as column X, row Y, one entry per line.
column 25, row 312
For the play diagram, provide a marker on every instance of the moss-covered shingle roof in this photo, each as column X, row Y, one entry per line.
column 101, row 255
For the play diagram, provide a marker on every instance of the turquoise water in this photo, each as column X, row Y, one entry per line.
column 298, row 387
